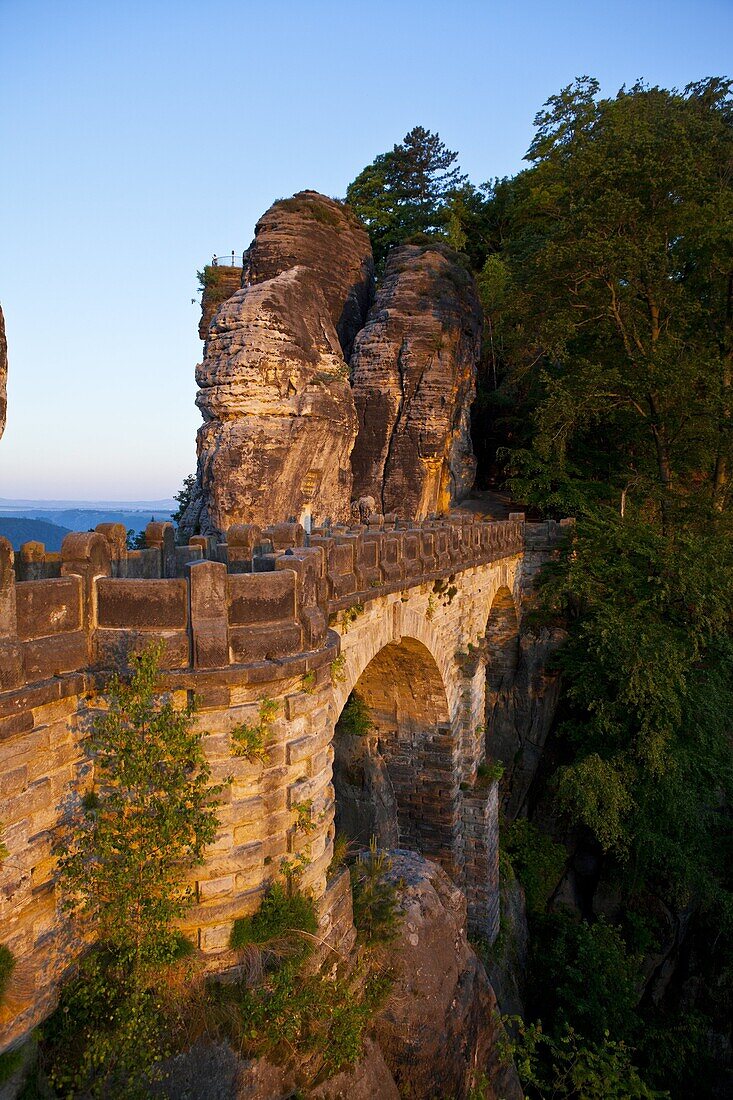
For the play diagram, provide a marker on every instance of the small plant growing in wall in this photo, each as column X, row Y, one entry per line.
column 303, row 811
column 355, row 718
column 308, row 683
column 351, row 614
column 122, row 865
column 4, row 853
column 431, row 608
column 338, row 669
column 249, row 740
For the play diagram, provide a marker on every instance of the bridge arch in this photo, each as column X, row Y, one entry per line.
column 395, row 769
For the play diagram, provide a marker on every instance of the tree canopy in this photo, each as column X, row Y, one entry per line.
column 406, row 190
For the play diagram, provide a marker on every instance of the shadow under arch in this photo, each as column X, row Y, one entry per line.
column 395, row 756
column 502, row 661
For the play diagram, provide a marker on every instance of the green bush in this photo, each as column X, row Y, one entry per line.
column 571, row 1067
column 585, row 977
column 281, row 919
column 355, row 717
column 537, row 860
column 377, row 914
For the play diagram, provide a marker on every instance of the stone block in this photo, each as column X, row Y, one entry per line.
column 142, row 605
column 48, row 607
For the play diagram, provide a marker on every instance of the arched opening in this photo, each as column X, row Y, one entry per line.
column 395, row 768
column 502, row 662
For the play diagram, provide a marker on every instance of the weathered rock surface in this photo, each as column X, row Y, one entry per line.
column 510, row 954
column 366, row 804
column 3, row 373
column 413, row 373
column 323, row 235
column 279, row 420
column 520, row 708
column 438, row 1032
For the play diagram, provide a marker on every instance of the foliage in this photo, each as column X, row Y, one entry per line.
column 289, row 1011
column 280, row 921
column 308, row 683
column 342, row 847
column 351, row 614
column 648, row 670
column 122, row 861
column 355, row 718
column 4, row 853
column 338, row 667
column 249, row 741
column 584, row 977
column 7, row 966
column 377, row 913
column 135, row 540
column 489, row 771
column 10, row 1061
column 407, row 191
column 108, row 1035
column 184, row 496
column 537, row 860
column 614, row 296
column 571, row 1068
column 304, row 822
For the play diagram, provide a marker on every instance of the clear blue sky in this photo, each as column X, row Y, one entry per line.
column 138, row 138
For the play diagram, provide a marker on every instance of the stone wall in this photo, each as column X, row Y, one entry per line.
column 261, row 614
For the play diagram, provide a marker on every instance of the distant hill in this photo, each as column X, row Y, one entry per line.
column 23, row 530
column 86, row 519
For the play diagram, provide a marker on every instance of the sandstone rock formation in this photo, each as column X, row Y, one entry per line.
column 279, row 421
column 438, row 1031
column 327, row 238
column 413, row 374
column 3, row 373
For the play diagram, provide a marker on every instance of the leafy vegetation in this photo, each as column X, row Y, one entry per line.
column 355, row 718
column 406, row 191
column 377, row 913
column 122, row 863
column 536, row 859
column 250, row 740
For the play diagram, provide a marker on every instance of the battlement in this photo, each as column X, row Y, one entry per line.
column 263, row 594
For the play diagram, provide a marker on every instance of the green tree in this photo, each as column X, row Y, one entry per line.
column 619, row 295
column 406, row 191
column 131, row 841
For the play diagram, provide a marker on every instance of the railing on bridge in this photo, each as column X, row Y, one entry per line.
column 228, row 259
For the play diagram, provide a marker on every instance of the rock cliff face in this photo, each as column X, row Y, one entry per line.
column 413, row 373
column 3, row 373
column 323, row 235
column 279, row 421
column 438, row 1032
column 279, row 418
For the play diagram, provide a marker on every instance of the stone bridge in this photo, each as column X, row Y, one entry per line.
column 421, row 622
